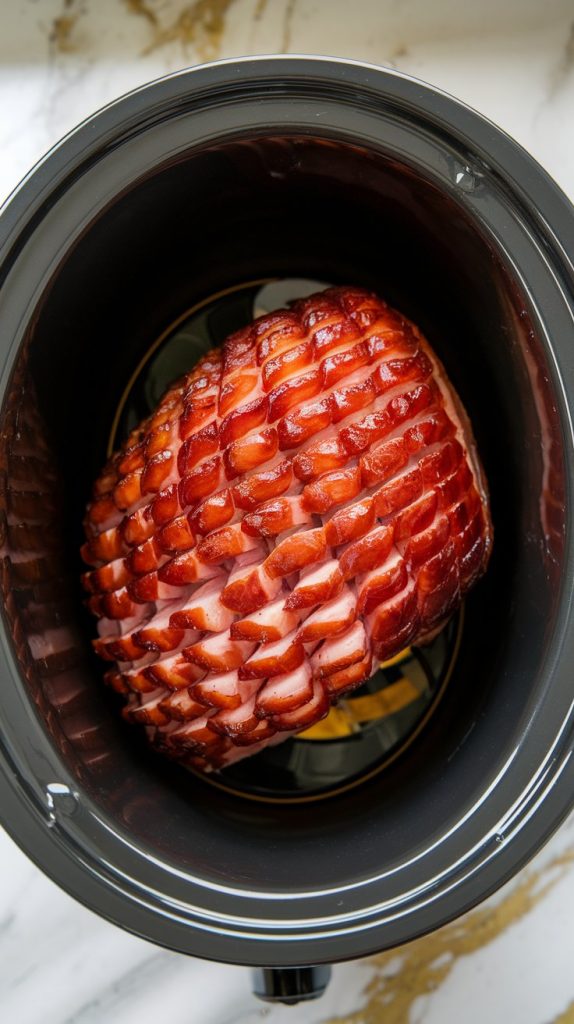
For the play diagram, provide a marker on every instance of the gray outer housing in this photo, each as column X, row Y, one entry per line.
column 527, row 784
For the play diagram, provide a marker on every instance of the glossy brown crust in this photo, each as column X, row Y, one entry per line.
column 304, row 503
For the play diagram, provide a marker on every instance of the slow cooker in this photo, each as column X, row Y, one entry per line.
column 167, row 214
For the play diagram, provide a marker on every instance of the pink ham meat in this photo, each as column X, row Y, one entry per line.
column 307, row 501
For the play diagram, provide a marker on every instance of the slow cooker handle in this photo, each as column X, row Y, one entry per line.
column 290, row 985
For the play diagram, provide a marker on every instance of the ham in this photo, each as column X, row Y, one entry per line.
column 304, row 503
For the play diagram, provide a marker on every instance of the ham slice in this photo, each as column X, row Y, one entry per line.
column 224, row 691
column 306, row 501
column 274, row 659
column 218, row 652
column 267, row 624
column 332, row 617
column 316, row 585
column 285, row 692
column 340, row 651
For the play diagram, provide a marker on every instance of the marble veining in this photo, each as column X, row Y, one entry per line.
column 511, row 958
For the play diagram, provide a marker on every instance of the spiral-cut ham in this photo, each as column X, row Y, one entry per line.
column 303, row 504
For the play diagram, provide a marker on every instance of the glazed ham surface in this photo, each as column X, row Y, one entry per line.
column 305, row 503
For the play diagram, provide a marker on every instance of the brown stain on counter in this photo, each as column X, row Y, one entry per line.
column 61, row 33
column 288, row 25
column 63, row 27
column 416, row 970
column 200, row 24
column 141, row 8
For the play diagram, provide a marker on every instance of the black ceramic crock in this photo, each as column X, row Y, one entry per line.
column 233, row 172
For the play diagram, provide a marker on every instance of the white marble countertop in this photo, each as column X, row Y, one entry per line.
column 511, row 959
